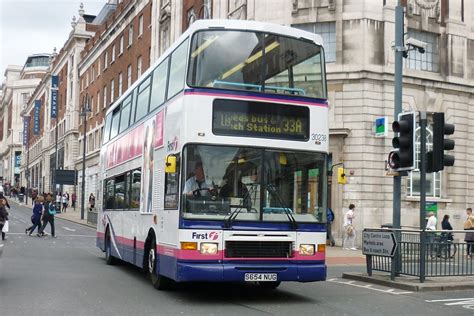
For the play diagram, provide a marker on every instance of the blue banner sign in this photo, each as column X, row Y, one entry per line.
column 36, row 117
column 54, row 96
column 26, row 129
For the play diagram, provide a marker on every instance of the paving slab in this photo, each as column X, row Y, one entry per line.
column 413, row 283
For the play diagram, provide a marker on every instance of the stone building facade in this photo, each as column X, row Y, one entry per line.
column 19, row 84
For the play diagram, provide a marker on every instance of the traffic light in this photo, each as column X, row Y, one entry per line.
column 404, row 158
column 341, row 176
column 437, row 160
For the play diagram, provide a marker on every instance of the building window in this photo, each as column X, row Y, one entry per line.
column 121, row 45
column 98, row 68
column 433, row 180
column 112, row 90
column 427, row 61
column 165, row 36
column 120, row 84
column 130, row 35
column 139, row 66
column 104, row 95
column 129, row 76
column 327, row 30
column 24, row 99
column 112, row 57
column 91, row 106
column 93, row 74
column 105, row 59
column 98, row 101
column 140, row 26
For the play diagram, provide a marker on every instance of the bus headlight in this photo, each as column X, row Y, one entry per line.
column 208, row 248
column 306, row 250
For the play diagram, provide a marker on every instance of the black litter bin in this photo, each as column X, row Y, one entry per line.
column 21, row 197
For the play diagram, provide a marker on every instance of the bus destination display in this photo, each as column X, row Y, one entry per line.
column 258, row 119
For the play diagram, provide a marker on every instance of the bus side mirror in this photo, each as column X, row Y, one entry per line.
column 170, row 165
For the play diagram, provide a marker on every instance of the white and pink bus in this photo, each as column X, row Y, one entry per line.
column 214, row 163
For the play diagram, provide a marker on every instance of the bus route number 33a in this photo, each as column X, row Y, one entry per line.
column 261, row 277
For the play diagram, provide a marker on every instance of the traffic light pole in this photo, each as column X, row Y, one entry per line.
column 423, row 123
column 397, row 180
column 399, row 48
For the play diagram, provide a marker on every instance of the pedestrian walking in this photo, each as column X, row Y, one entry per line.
column 48, row 216
column 64, row 201
column 73, row 200
column 4, row 200
column 58, row 201
column 447, row 238
column 36, row 217
column 469, row 237
column 330, row 220
column 91, row 201
column 349, row 229
column 3, row 220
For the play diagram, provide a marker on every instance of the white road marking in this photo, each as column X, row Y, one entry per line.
column 369, row 287
column 69, row 229
column 467, row 303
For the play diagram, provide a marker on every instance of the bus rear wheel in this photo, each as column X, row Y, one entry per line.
column 158, row 281
column 109, row 258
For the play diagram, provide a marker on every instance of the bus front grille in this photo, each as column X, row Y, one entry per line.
column 258, row 249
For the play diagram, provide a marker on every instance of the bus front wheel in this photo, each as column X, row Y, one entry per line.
column 158, row 281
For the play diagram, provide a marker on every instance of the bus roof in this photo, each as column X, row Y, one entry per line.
column 246, row 25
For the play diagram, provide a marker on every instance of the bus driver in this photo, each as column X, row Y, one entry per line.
column 196, row 185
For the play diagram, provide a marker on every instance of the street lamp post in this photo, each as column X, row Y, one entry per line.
column 85, row 110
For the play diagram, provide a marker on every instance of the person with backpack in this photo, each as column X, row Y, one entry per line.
column 330, row 220
column 469, row 237
column 36, row 217
column 48, row 216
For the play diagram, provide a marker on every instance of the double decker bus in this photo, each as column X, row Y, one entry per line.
column 214, row 162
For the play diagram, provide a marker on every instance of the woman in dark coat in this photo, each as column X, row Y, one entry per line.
column 3, row 219
column 36, row 217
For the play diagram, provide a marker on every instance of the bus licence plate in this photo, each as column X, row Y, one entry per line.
column 260, row 277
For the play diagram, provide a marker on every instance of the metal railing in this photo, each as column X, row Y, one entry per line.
column 442, row 253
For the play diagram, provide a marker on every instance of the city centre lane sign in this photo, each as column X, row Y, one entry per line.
column 378, row 243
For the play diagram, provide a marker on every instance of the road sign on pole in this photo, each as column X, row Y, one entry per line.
column 378, row 243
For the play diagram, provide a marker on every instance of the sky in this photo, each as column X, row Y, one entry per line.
column 37, row 26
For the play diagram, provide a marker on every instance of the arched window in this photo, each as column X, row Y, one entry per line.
column 433, row 180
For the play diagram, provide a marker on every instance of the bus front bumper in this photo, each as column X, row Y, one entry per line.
column 235, row 272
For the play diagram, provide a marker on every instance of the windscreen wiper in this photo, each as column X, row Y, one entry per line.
column 287, row 210
column 228, row 222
